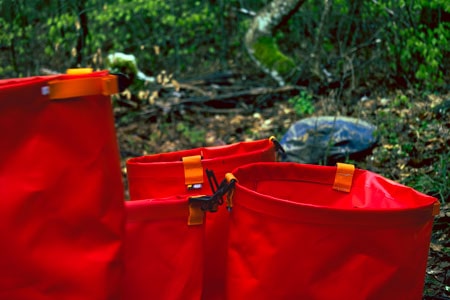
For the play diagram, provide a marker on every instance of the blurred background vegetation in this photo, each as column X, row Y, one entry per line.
column 399, row 42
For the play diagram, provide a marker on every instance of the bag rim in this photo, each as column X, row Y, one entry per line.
column 310, row 213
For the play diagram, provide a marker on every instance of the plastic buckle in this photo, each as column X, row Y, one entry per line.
column 207, row 203
column 123, row 81
column 212, row 180
column 211, row 203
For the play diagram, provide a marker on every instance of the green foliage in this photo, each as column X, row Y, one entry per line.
column 48, row 37
column 138, row 26
column 437, row 183
column 303, row 104
column 196, row 136
column 62, row 34
column 420, row 48
column 423, row 55
column 401, row 101
column 413, row 36
column 401, row 39
column 405, row 133
column 127, row 67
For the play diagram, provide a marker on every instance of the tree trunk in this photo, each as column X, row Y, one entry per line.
column 82, row 32
column 261, row 45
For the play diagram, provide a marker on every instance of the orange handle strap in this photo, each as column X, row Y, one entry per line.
column 196, row 214
column 344, row 177
column 80, row 87
column 436, row 208
column 193, row 171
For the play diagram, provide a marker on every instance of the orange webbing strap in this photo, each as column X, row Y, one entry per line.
column 196, row 214
column 229, row 177
column 79, row 87
column 344, row 177
column 436, row 208
column 193, row 171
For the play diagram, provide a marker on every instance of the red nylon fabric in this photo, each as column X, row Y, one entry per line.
column 162, row 175
column 163, row 255
column 293, row 237
column 61, row 194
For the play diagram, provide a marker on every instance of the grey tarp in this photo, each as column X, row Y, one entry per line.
column 328, row 139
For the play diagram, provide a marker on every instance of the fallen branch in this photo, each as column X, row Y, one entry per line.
column 240, row 94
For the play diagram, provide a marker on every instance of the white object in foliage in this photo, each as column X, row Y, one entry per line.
column 131, row 58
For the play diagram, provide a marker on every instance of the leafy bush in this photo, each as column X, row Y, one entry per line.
column 418, row 44
column 302, row 104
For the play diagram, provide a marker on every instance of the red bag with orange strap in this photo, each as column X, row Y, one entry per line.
column 316, row 232
column 61, row 190
column 172, row 250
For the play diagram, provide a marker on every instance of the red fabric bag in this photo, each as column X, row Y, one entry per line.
column 164, row 175
column 164, row 248
column 315, row 232
column 61, row 192
column 184, row 174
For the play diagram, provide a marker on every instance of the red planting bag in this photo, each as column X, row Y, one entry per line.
column 315, row 232
column 164, row 247
column 61, row 191
column 185, row 174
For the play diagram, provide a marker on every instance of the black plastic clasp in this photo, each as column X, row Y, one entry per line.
column 278, row 146
column 207, row 203
column 212, row 203
column 123, row 81
column 281, row 154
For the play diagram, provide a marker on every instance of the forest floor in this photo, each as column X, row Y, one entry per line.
column 223, row 108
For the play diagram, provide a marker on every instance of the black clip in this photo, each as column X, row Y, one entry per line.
column 281, row 154
column 123, row 81
column 211, row 203
column 207, row 203
column 278, row 146
column 212, row 180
